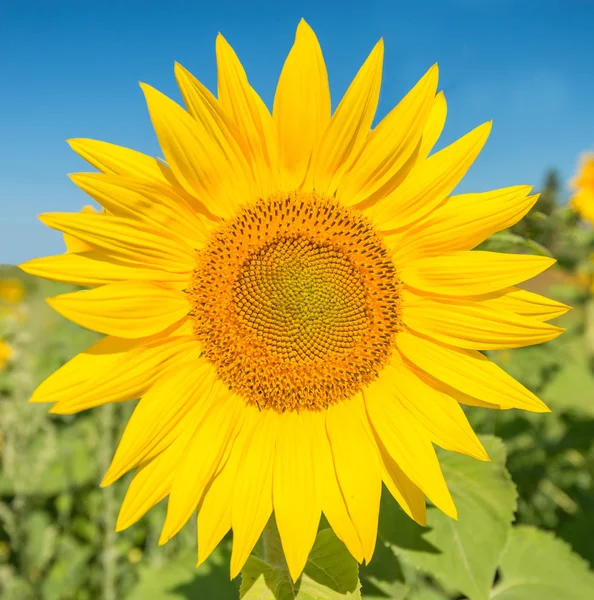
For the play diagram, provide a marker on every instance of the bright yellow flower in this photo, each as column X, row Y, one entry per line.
column 583, row 184
column 6, row 353
column 11, row 290
column 294, row 298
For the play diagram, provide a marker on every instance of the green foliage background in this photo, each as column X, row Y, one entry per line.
column 526, row 526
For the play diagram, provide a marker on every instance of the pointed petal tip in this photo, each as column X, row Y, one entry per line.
column 35, row 400
column 483, row 456
column 179, row 68
column 121, row 524
column 25, row 265
column 110, row 477
column 234, row 569
column 201, row 559
column 45, row 218
column 164, row 537
column 368, row 555
column 56, row 409
column 303, row 24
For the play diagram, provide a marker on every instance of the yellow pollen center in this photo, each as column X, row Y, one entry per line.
column 302, row 299
column 296, row 302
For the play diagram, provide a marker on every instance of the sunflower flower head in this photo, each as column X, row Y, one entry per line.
column 12, row 291
column 6, row 353
column 294, row 297
column 582, row 200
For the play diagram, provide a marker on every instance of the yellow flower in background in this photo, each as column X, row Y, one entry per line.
column 294, row 297
column 6, row 353
column 583, row 184
column 12, row 291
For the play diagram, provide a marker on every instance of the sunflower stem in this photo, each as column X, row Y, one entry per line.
column 109, row 554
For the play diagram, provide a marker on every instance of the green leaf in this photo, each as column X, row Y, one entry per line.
column 179, row 579
column 538, row 566
column 330, row 574
column 40, row 540
column 69, row 570
column 383, row 577
column 572, row 387
column 461, row 554
column 505, row 241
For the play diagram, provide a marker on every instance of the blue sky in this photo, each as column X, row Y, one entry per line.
column 71, row 68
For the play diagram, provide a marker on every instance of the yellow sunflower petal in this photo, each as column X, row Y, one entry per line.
column 251, row 117
column 296, row 505
column 156, row 205
column 152, row 481
column 93, row 363
column 472, row 325
column 441, row 416
column 214, row 512
column 407, row 442
column 109, row 158
column 468, row 371
column 461, row 223
column 203, row 166
column 203, row 106
column 129, row 309
column 208, row 445
column 181, row 393
column 457, row 395
column 349, row 127
column 434, row 126
column 429, row 182
column 329, row 493
column 408, row 495
column 356, row 460
column 472, row 273
column 301, row 107
column 390, row 146
column 126, row 377
column 74, row 244
column 525, row 303
column 125, row 240
column 96, row 268
column 252, row 499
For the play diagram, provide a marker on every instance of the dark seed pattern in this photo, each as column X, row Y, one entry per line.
column 296, row 302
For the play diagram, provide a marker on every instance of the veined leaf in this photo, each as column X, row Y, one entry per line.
column 461, row 554
column 538, row 566
column 330, row 574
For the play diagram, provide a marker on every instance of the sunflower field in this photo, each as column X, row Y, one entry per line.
column 525, row 525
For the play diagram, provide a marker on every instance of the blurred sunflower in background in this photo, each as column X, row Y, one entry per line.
column 294, row 298
column 5, row 353
column 12, row 292
column 582, row 200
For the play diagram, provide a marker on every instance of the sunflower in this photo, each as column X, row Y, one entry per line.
column 5, row 353
column 12, row 291
column 583, row 184
column 293, row 298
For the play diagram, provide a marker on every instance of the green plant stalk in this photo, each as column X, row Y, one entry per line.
column 109, row 554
